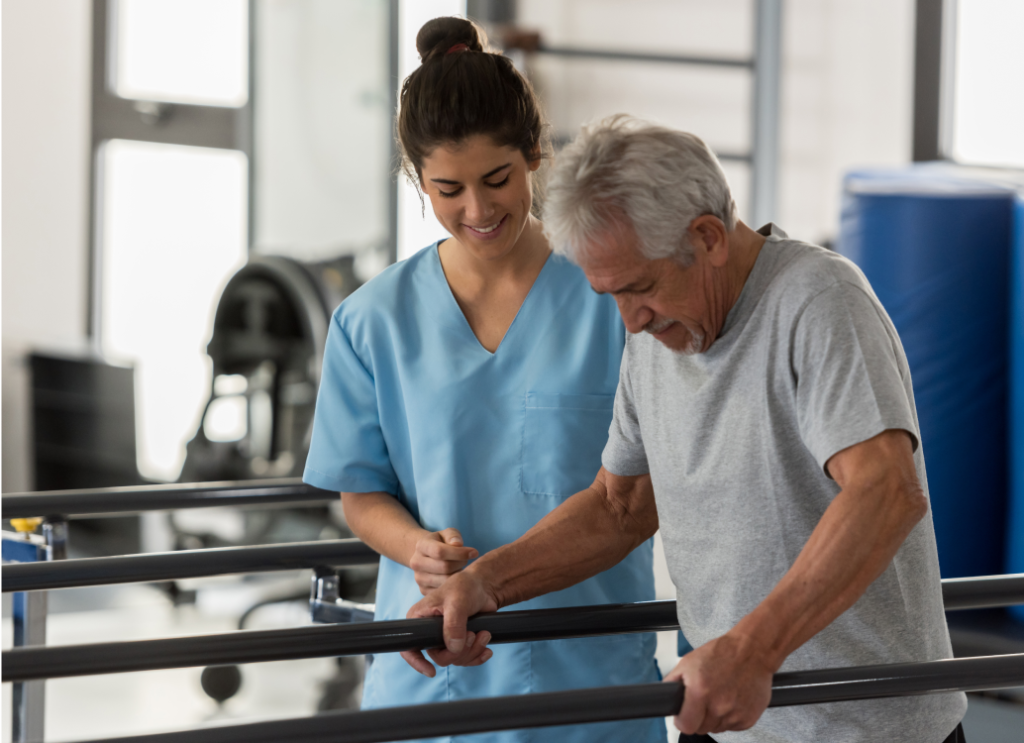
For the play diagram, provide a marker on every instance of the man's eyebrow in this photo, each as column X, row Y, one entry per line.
column 630, row 287
column 485, row 175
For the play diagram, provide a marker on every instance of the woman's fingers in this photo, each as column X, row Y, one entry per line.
column 438, row 550
column 451, row 536
column 415, row 659
column 471, row 655
column 425, row 564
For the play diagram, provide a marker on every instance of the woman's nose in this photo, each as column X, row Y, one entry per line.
column 479, row 208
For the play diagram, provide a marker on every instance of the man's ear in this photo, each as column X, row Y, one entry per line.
column 709, row 234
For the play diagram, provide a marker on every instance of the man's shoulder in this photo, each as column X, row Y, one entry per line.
column 801, row 272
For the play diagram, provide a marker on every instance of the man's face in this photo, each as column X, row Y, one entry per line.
column 659, row 297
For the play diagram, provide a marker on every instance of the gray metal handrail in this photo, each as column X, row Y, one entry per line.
column 253, row 646
column 983, row 592
column 136, row 499
column 160, row 566
column 603, row 704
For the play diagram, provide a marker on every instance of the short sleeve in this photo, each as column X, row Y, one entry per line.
column 624, row 453
column 853, row 382
column 347, row 451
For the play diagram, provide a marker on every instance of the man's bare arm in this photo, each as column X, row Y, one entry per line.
column 589, row 533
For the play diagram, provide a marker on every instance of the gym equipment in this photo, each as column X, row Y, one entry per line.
column 269, row 331
column 28, row 666
column 72, row 503
column 935, row 245
column 603, row 704
column 1015, row 515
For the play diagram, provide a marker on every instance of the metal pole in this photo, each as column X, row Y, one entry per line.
column 603, row 704
column 160, row 566
column 29, row 614
column 255, row 646
column 627, row 56
column 29, row 697
column 767, row 71
column 137, row 499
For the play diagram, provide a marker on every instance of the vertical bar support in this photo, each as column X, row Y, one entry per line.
column 28, row 697
column 393, row 155
column 29, row 610
column 928, row 55
column 767, row 71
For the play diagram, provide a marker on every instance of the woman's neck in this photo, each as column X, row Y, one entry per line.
column 524, row 261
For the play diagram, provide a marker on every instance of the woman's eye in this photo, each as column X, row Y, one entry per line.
column 450, row 194
column 502, row 183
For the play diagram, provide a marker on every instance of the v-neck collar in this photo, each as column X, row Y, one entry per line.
column 463, row 322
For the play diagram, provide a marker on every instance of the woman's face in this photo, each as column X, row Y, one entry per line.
column 480, row 193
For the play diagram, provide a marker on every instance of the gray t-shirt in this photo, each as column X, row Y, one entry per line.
column 736, row 440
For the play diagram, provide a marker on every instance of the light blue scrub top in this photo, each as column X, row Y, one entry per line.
column 411, row 404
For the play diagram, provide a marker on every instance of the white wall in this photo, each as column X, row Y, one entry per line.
column 846, row 102
column 45, row 120
column 847, row 71
column 847, row 98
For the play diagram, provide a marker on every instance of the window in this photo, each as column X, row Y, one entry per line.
column 987, row 116
column 170, row 149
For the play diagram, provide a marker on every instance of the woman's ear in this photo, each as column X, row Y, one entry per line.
column 535, row 158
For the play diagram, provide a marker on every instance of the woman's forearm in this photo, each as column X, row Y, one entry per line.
column 384, row 524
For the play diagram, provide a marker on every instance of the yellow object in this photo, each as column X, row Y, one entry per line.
column 26, row 525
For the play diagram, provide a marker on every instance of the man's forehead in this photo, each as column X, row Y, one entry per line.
column 611, row 267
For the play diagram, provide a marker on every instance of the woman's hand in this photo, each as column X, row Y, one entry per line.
column 438, row 555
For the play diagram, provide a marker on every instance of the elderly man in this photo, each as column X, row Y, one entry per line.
column 765, row 421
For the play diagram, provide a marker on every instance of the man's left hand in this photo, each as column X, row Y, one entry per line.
column 728, row 686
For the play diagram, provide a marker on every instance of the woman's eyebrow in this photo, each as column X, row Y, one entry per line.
column 485, row 175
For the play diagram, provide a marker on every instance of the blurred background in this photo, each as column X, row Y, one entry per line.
column 191, row 186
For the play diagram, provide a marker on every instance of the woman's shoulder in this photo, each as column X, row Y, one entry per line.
column 388, row 294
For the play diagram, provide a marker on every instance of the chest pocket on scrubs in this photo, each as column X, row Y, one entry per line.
column 563, row 437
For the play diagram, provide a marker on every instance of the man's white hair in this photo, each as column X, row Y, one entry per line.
column 626, row 172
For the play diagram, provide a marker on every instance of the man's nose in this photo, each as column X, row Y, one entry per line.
column 635, row 316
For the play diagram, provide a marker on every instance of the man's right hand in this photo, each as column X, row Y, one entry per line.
column 460, row 597
column 438, row 555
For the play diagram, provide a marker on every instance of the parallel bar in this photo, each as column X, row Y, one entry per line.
column 96, row 571
column 254, row 646
column 624, row 56
column 445, row 719
column 602, row 704
column 984, row 592
column 133, row 499
column 394, row 636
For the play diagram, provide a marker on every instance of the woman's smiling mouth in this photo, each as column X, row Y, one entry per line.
column 488, row 230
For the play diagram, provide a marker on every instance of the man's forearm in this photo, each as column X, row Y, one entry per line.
column 853, row 544
column 586, row 535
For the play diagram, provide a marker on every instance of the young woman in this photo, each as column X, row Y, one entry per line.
column 468, row 390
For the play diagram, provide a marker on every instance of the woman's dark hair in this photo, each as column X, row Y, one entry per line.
column 462, row 89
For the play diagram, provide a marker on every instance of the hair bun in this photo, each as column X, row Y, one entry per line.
column 441, row 34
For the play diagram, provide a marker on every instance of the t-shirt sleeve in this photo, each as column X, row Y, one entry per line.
column 852, row 379
column 624, row 453
column 347, row 451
